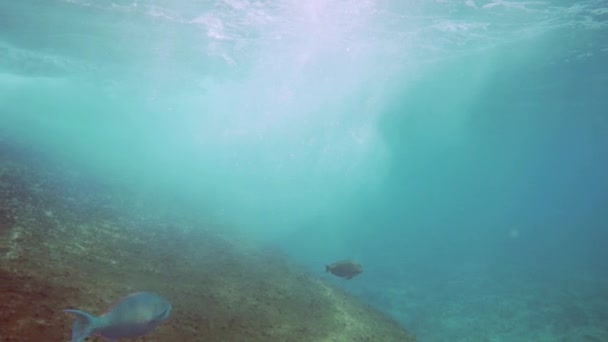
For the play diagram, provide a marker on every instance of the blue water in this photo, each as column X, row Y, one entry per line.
column 457, row 149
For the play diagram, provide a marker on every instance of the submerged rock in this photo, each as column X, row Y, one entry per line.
column 223, row 287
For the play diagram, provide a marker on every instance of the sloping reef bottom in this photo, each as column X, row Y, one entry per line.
column 70, row 240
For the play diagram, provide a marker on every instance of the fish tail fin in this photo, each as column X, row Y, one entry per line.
column 83, row 326
column 327, row 268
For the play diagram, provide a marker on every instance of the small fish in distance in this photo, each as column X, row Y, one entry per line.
column 133, row 316
column 344, row 269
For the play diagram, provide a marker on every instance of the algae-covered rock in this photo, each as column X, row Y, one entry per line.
column 83, row 250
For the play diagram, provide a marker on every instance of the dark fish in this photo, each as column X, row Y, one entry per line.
column 133, row 316
column 344, row 269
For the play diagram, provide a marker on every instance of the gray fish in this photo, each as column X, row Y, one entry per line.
column 344, row 269
column 133, row 316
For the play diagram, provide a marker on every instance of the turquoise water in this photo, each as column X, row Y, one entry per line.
column 457, row 149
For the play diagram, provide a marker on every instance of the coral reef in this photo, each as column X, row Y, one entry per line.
column 501, row 305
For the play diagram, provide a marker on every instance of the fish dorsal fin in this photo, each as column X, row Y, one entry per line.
column 84, row 325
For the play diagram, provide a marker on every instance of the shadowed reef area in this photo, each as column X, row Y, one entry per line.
column 68, row 240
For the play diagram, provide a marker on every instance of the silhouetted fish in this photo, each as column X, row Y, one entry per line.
column 135, row 315
column 344, row 269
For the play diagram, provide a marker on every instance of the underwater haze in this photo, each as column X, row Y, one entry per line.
column 458, row 150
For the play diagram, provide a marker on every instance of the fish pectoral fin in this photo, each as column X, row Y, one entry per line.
column 162, row 316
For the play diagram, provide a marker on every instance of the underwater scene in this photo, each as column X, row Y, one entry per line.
column 304, row 170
